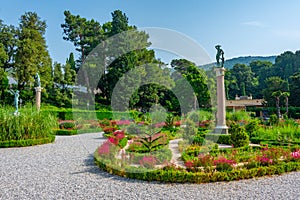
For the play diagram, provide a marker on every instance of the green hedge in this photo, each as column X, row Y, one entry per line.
column 69, row 114
column 182, row 176
column 28, row 142
column 75, row 132
column 219, row 138
column 257, row 140
column 294, row 112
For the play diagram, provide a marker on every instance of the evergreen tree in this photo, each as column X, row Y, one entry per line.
column 32, row 55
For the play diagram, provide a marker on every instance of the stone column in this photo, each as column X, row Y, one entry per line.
column 221, row 127
column 38, row 91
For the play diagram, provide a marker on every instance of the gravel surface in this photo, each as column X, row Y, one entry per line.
column 66, row 170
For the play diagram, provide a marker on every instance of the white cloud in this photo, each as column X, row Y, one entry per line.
column 253, row 23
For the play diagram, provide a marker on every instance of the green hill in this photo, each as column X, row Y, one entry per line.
column 242, row 60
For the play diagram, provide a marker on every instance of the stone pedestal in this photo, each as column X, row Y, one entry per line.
column 38, row 91
column 221, row 127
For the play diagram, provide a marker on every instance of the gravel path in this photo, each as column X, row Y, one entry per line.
column 66, row 170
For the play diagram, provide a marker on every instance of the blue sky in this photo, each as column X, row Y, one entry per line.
column 265, row 27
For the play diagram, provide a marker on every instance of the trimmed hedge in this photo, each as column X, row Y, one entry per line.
column 75, row 132
column 257, row 140
column 170, row 175
column 219, row 138
column 28, row 142
column 69, row 114
column 294, row 112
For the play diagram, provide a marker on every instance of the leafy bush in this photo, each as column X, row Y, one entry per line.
column 198, row 140
column 239, row 137
column 274, row 120
column 67, row 125
column 223, row 164
column 189, row 129
column 123, row 143
column 252, row 127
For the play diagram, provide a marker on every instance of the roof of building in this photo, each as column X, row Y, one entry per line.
column 245, row 102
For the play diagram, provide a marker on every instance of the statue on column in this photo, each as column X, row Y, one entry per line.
column 38, row 80
column 220, row 56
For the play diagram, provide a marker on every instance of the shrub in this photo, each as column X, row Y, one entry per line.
column 198, row 140
column 219, row 138
column 123, row 142
column 189, row 130
column 239, row 137
column 67, row 125
column 223, row 164
column 252, row 127
column 274, row 120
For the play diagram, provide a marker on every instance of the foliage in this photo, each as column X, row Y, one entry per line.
column 238, row 116
column 67, row 125
column 238, row 135
column 252, row 127
column 32, row 55
column 29, row 124
column 148, row 162
column 27, row 142
column 189, row 130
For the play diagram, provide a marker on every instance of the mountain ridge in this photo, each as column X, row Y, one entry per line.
column 228, row 64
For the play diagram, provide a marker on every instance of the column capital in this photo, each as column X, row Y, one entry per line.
column 220, row 71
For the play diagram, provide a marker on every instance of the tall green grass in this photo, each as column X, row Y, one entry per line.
column 286, row 133
column 29, row 124
column 238, row 116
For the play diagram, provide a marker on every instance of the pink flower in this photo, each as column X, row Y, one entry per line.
column 104, row 149
column 296, row 154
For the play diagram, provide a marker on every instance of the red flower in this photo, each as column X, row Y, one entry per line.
column 189, row 164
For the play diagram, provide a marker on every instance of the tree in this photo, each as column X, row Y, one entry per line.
column 274, row 84
column 261, row 71
column 8, row 38
column 277, row 95
column 196, row 78
column 32, row 55
column 119, row 22
column 286, row 96
column 287, row 64
column 71, row 61
column 3, row 73
column 295, row 89
column 242, row 79
column 84, row 34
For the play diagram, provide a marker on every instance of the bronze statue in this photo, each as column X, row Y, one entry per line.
column 38, row 81
column 16, row 100
column 220, row 55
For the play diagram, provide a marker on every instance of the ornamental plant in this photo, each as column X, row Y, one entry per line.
column 223, row 164
column 295, row 155
column 238, row 136
column 148, row 161
column 204, row 160
column 118, row 139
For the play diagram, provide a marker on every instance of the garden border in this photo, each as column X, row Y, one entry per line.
column 170, row 175
column 28, row 142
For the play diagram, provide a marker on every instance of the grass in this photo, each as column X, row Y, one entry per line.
column 29, row 124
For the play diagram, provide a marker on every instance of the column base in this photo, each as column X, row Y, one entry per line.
column 221, row 130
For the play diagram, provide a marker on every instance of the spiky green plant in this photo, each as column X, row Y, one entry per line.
column 28, row 124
